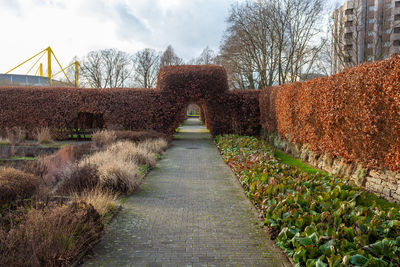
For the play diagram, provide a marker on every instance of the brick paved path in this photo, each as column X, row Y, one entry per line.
column 190, row 211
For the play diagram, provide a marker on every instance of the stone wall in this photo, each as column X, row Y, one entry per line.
column 384, row 183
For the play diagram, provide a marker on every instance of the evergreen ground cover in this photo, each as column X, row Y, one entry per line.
column 316, row 218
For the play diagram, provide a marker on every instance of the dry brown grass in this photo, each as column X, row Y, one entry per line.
column 76, row 179
column 156, row 146
column 120, row 176
column 104, row 138
column 4, row 141
column 132, row 152
column 139, row 136
column 114, row 173
column 104, row 201
column 16, row 185
column 53, row 236
column 119, row 165
column 15, row 135
column 43, row 135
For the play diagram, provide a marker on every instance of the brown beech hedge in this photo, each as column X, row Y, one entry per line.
column 354, row 114
column 160, row 109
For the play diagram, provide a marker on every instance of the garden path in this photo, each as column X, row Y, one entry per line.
column 189, row 211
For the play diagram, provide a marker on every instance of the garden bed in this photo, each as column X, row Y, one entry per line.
column 53, row 208
column 317, row 219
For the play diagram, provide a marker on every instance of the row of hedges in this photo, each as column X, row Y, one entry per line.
column 160, row 109
column 354, row 114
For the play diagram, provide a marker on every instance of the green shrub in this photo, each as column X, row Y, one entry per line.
column 316, row 219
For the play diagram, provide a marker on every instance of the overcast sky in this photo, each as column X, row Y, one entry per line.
column 75, row 27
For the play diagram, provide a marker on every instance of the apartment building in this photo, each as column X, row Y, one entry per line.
column 364, row 30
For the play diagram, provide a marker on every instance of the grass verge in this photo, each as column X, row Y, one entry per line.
column 289, row 160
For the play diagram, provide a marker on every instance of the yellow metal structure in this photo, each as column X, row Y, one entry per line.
column 77, row 74
column 41, row 69
column 50, row 75
column 49, row 64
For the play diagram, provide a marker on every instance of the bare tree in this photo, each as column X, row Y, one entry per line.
column 169, row 58
column 271, row 41
column 147, row 63
column 206, row 57
column 324, row 59
column 108, row 68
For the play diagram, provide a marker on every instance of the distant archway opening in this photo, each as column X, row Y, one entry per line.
column 193, row 110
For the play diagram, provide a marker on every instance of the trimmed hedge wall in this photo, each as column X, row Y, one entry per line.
column 354, row 114
column 160, row 109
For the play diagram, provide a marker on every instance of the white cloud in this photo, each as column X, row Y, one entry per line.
column 75, row 27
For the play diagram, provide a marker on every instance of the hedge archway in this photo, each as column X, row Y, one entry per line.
column 160, row 109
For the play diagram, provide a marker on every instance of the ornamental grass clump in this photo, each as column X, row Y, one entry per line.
column 15, row 135
column 78, row 178
column 317, row 219
column 155, row 146
column 16, row 185
column 104, row 138
column 139, row 136
column 103, row 201
column 43, row 135
column 132, row 152
column 4, row 141
column 52, row 236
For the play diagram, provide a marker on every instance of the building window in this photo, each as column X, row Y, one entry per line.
column 396, row 30
column 348, row 35
column 397, row 17
column 348, row 23
column 370, row 33
column 370, row 21
column 371, row 8
column 348, row 47
column 349, row 11
column 370, row 58
column 389, row 5
column 387, row 31
column 386, row 44
column 396, row 42
column 370, row 45
column 388, row 19
column 385, row 56
column 347, row 59
column 397, row 4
